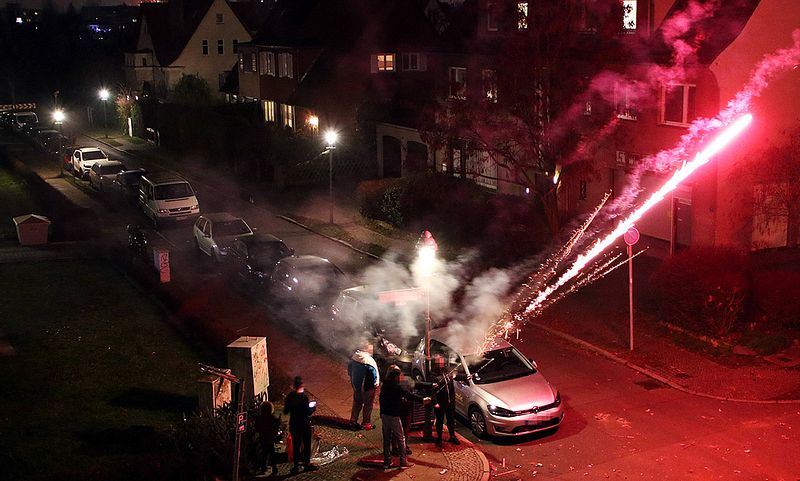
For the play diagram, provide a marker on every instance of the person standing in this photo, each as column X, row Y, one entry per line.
column 364, row 377
column 299, row 408
column 445, row 396
column 268, row 428
column 391, row 406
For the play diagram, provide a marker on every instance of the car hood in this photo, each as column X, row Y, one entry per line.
column 518, row 394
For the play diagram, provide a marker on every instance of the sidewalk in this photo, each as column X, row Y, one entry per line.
column 600, row 328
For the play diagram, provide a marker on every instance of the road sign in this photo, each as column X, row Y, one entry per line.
column 241, row 422
column 631, row 237
column 401, row 296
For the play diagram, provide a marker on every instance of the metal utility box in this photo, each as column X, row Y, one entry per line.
column 247, row 359
column 32, row 229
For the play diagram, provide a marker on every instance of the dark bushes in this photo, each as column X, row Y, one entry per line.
column 776, row 296
column 702, row 289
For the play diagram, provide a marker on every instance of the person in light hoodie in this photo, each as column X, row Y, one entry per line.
column 364, row 378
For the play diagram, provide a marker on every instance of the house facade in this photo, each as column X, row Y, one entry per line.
column 188, row 38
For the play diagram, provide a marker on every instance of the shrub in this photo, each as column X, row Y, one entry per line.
column 776, row 294
column 702, row 289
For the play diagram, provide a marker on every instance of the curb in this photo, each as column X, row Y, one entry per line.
column 485, row 471
column 334, row 239
column 649, row 373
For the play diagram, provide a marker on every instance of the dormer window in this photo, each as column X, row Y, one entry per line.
column 411, row 62
column 385, row 62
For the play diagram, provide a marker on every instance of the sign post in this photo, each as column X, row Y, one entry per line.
column 631, row 237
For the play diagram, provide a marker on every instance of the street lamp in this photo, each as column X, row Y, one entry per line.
column 58, row 119
column 426, row 259
column 330, row 139
column 103, row 98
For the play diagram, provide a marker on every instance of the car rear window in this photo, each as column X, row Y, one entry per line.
column 173, row 191
column 111, row 169
column 94, row 155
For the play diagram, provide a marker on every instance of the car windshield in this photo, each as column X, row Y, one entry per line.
column 111, row 169
column 173, row 191
column 27, row 118
column 230, row 228
column 94, row 155
column 498, row 365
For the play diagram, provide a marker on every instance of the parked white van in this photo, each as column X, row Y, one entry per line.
column 167, row 196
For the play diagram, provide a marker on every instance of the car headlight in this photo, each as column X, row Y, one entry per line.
column 502, row 412
column 195, row 207
column 163, row 211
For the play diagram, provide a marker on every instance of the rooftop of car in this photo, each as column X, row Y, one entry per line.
column 261, row 238
column 465, row 340
column 164, row 177
column 88, row 149
column 220, row 217
column 105, row 163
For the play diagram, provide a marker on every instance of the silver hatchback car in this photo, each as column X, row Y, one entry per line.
column 500, row 392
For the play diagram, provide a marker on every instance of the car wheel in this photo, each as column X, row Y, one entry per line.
column 477, row 422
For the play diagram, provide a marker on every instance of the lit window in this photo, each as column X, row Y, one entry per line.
column 287, row 116
column 270, row 61
column 458, row 83
column 204, row 47
column 241, row 62
column 220, row 18
column 285, row 65
column 253, row 63
column 312, row 123
column 269, row 111
column 624, row 101
column 385, row 62
column 522, row 15
column 489, row 81
column 678, row 104
column 220, row 47
column 629, row 15
column 410, row 61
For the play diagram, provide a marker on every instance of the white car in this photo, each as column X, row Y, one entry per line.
column 103, row 173
column 214, row 233
column 499, row 391
column 84, row 158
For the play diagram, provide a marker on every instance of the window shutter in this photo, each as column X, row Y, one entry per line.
column 373, row 64
column 289, row 66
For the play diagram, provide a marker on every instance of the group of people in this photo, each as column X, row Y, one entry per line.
column 397, row 397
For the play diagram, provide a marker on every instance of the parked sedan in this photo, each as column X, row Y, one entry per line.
column 307, row 282
column 127, row 182
column 253, row 257
column 214, row 233
column 103, row 173
column 500, row 391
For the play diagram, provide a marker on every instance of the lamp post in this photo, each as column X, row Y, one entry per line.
column 330, row 139
column 58, row 119
column 426, row 257
column 103, row 98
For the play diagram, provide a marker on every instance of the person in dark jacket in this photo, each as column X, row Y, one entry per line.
column 391, row 405
column 364, row 377
column 445, row 401
column 299, row 408
column 268, row 428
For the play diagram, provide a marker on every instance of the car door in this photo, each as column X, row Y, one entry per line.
column 76, row 161
column 200, row 229
column 237, row 259
column 462, row 386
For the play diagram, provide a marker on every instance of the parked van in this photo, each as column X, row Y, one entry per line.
column 167, row 196
column 20, row 119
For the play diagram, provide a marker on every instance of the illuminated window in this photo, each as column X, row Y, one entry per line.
column 624, row 101
column 522, row 15
column 312, row 123
column 287, row 116
column 629, row 15
column 220, row 47
column 491, row 17
column 489, row 81
column 269, row 111
column 385, row 62
column 411, row 61
column 270, row 61
column 678, row 104
column 285, row 68
column 458, row 82
column 204, row 47
column 253, row 63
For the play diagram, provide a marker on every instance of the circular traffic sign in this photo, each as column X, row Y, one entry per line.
column 631, row 237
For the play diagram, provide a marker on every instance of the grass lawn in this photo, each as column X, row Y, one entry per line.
column 15, row 199
column 98, row 376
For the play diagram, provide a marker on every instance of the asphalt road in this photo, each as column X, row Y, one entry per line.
column 619, row 424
